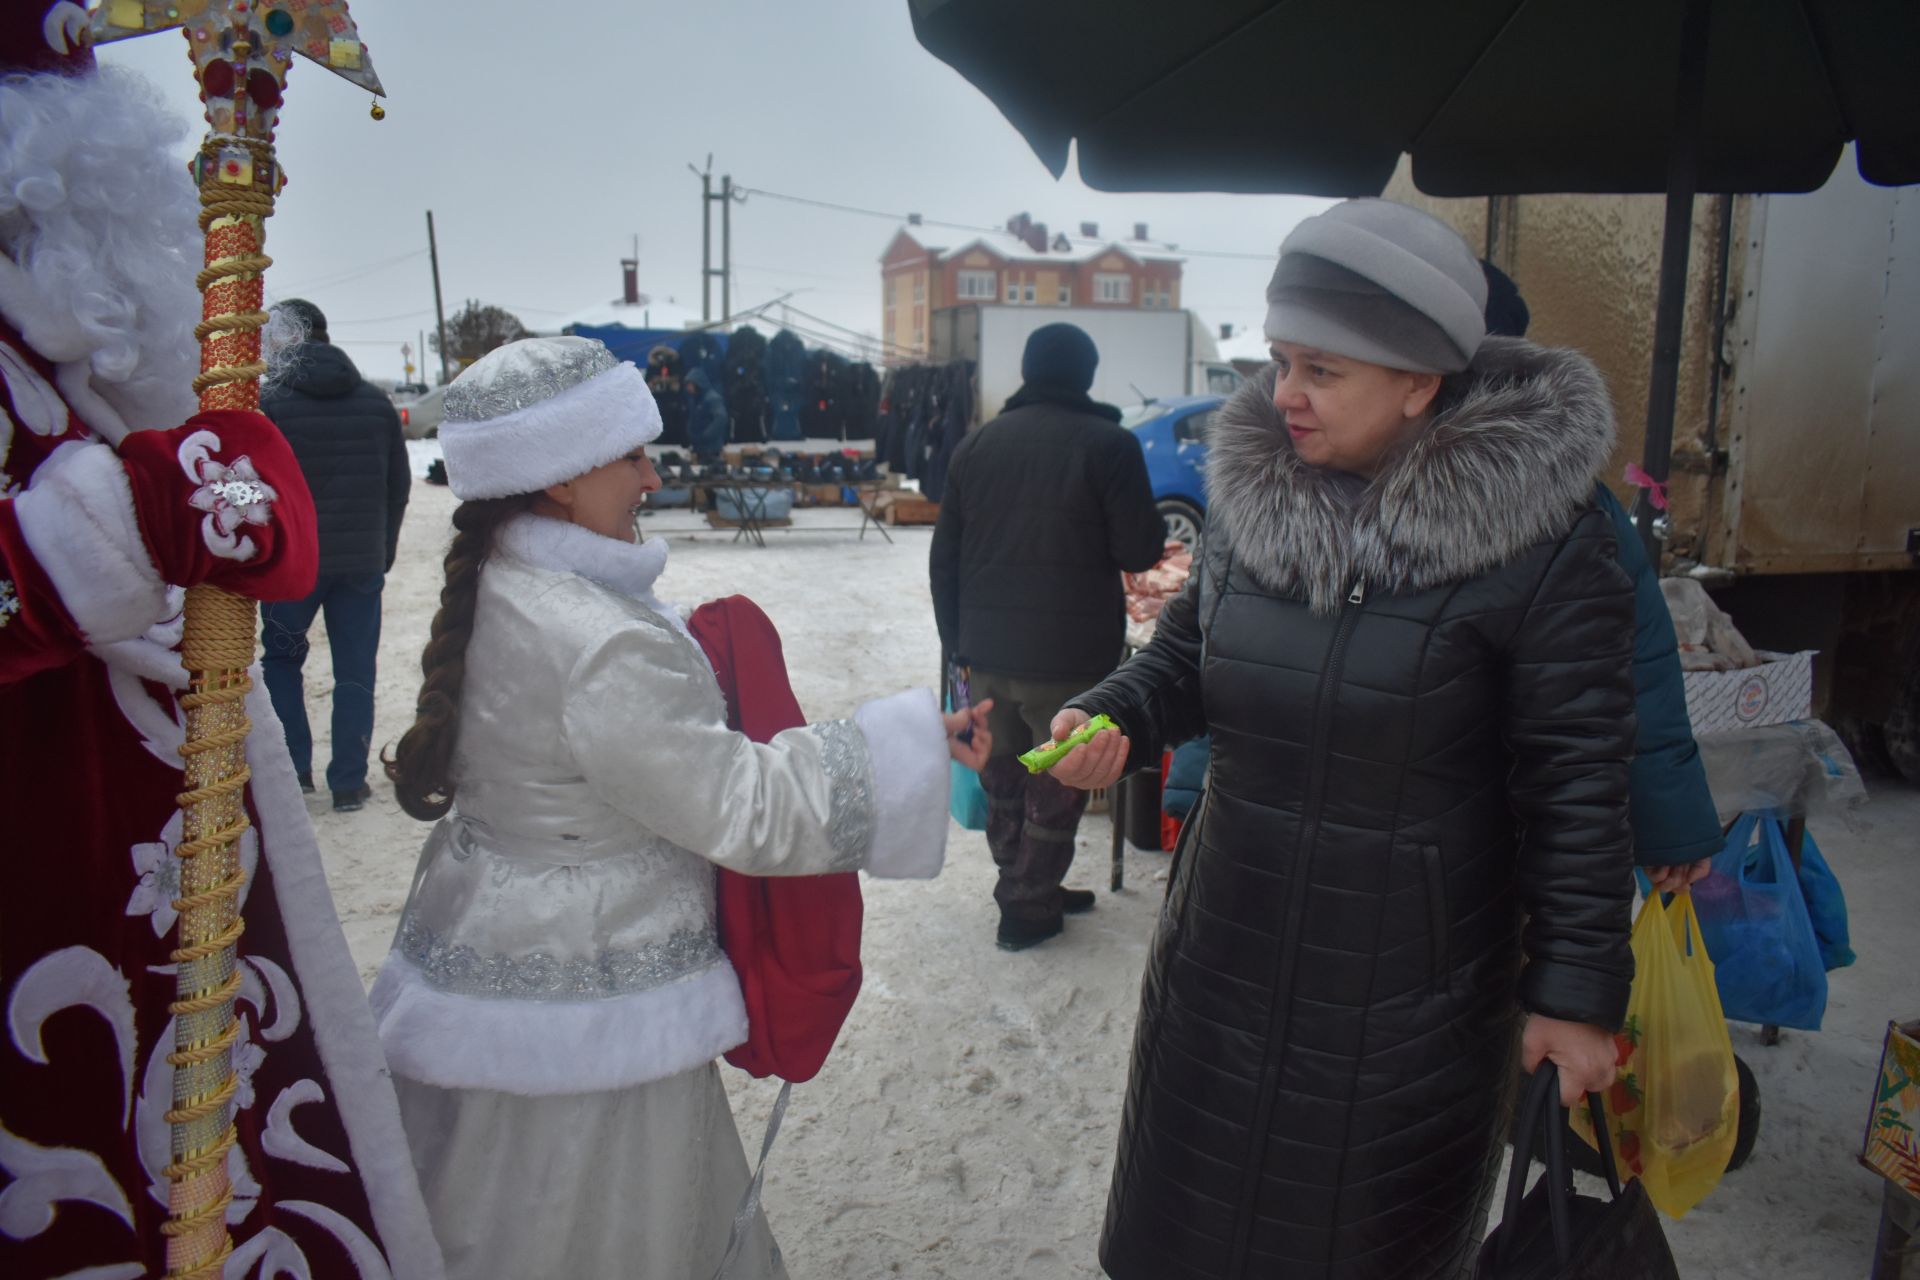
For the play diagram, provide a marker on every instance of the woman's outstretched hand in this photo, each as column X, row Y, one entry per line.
column 1583, row 1052
column 973, row 752
column 1093, row 764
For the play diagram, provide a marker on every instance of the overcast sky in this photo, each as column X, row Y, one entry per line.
column 545, row 137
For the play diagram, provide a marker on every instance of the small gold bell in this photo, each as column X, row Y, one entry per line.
column 379, row 112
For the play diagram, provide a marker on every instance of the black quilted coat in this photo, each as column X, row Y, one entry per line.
column 1414, row 827
column 346, row 434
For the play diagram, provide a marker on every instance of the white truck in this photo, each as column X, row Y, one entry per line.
column 1795, row 474
column 1144, row 354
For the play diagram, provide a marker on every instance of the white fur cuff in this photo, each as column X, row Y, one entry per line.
column 908, row 747
column 540, row 1047
column 78, row 520
column 552, row 440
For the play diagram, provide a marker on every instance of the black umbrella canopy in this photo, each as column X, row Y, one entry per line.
column 1491, row 97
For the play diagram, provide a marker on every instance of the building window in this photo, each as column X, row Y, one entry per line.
column 1066, row 295
column 1112, row 288
column 919, row 288
column 975, row 284
column 1013, row 290
column 1027, row 297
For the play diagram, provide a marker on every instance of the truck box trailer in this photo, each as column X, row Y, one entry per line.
column 1144, row 354
column 1794, row 481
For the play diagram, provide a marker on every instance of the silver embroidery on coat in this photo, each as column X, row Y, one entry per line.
column 464, row 971
column 843, row 757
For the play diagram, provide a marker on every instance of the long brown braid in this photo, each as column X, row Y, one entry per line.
column 420, row 765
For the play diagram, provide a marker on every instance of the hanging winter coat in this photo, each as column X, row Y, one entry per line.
column 1420, row 697
column 863, row 402
column 747, row 385
column 786, row 385
column 948, row 427
column 824, row 415
column 707, row 416
column 663, row 378
column 706, row 352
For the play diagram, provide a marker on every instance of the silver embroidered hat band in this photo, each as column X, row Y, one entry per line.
column 541, row 411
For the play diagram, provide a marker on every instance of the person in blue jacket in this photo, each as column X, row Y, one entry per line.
column 1676, row 830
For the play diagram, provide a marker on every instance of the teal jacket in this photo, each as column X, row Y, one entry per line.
column 1673, row 815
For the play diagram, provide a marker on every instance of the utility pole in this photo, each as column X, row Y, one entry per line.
column 439, row 311
column 707, row 270
column 726, row 248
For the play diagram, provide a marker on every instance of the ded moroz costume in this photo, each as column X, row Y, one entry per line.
column 100, row 523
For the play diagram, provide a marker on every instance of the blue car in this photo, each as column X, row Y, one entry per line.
column 1173, row 436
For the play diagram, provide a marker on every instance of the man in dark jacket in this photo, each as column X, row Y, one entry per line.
column 347, row 436
column 1043, row 509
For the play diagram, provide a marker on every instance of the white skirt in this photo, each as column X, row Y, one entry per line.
column 637, row 1184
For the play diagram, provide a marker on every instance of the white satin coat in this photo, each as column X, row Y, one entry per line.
column 559, row 937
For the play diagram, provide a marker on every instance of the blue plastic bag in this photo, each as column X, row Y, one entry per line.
column 1826, row 906
column 1754, row 921
column 966, row 797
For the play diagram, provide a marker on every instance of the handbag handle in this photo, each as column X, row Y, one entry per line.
column 1542, row 1103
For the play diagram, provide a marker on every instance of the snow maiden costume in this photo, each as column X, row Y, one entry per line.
column 97, row 305
column 556, row 995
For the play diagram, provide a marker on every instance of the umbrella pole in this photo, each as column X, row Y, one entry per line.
column 1683, row 177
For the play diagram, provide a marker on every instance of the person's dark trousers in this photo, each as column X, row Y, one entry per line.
column 352, row 606
column 1031, row 819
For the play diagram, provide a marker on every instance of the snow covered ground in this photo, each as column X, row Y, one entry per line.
column 965, row 1125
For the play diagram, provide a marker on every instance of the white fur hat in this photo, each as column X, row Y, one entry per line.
column 540, row 411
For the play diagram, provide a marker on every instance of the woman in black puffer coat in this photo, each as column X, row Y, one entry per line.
column 1412, row 646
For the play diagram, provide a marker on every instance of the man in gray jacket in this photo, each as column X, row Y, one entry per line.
column 347, row 436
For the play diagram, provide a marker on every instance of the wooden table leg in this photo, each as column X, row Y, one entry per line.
column 1899, row 1241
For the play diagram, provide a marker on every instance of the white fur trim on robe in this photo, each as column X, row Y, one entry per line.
column 78, row 519
column 907, row 747
column 541, row 1047
column 343, row 1026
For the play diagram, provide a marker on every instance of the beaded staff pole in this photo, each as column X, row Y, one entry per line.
column 241, row 51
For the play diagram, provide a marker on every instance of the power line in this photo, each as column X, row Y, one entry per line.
column 404, row 315
column 352, row 273
column 917, row 220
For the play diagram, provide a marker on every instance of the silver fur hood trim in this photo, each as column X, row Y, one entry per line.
column 1509, row 464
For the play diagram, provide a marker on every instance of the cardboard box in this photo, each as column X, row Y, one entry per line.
column 1892, row 1147
column 1778, row 690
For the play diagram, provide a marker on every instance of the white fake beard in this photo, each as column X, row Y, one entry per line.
column 101, row 244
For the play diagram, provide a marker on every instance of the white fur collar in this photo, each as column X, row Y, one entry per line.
column 626, row 567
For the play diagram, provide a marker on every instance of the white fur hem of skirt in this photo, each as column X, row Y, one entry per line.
column 543, row 1047
column 907, row 746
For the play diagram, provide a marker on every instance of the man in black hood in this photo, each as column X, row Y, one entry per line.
column 347, row 436
column 1044, row 507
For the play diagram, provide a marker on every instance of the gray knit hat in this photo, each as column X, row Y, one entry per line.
column 1377, row 281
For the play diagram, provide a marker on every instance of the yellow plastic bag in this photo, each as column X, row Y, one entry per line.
column 1674, row 1113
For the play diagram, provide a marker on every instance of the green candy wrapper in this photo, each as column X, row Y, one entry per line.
column 1049, row 754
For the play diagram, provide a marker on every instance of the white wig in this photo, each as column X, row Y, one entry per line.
column 99, row 243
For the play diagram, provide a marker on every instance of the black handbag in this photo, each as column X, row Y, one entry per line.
column 1551, row 1233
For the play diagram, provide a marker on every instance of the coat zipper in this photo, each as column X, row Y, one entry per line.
column 1296, row 911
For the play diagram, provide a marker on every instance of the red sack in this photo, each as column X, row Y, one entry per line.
column 794, row 940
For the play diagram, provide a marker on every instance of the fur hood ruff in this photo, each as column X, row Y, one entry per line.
column 1510, row 463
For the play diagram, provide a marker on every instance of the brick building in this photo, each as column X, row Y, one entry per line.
column 1023, row 266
